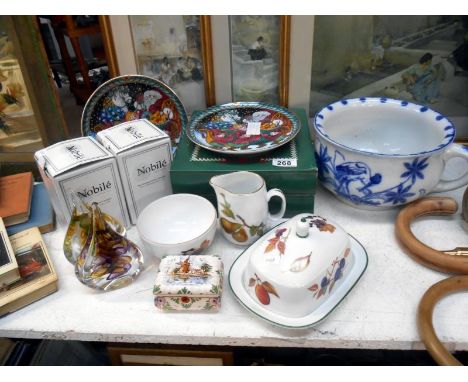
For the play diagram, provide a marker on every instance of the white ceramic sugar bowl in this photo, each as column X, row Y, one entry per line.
column 178, row 224
column 298, row 265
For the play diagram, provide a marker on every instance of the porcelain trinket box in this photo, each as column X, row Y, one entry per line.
column 189, row 283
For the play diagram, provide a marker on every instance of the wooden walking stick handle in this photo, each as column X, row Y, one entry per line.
column 420, row 252
column 425, row 326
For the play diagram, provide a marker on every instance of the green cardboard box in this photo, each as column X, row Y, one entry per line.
column 193, row 167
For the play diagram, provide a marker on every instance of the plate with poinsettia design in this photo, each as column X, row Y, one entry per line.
column 257, row 294
column 131, row 97
column 243, row 128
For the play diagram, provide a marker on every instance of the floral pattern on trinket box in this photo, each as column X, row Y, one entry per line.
column 188, row 303
column 189, row 283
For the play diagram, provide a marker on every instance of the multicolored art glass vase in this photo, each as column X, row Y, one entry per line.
column 108, row 260
column 78, row 229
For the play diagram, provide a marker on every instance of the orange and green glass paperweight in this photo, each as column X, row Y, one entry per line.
column 79, row 227
column 108, row 260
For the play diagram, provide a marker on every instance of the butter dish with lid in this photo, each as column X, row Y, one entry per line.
column 298, row 272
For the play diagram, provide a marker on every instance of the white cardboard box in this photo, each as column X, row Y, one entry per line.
column 82, row 166
column 144, row 158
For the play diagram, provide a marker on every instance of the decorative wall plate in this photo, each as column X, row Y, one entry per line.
column 127, row 98
column 243, row 128
column 333, row 300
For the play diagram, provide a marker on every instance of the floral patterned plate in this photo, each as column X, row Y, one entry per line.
column 243, row 128
column 126, row 98
column 341, row 290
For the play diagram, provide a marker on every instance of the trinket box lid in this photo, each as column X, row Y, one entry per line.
column 64, row 156
column 126, row 135
column 189, row 275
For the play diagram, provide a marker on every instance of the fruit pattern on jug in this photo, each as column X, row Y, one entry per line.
column 237, row 230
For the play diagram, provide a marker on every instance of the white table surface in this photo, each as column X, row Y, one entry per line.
column 379, row 313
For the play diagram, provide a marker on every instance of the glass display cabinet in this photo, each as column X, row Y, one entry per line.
column 30, row 112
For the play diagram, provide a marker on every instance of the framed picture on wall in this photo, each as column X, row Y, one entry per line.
column 289, row 60
column 259, row 58
column 422, row 59
column 173, row 49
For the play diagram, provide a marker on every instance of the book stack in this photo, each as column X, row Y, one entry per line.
column 41, row 213
column 24, row 205
column 15, row 198
column 37, row 276
column 26, row 271
column 9, row 272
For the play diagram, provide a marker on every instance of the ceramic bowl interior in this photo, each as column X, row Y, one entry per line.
column 176, row 219
column 384, row 126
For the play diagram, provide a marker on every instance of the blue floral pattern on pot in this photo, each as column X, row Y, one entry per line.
column 356, row 181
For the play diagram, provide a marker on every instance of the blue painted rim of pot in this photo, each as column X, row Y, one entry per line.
column 439, row 118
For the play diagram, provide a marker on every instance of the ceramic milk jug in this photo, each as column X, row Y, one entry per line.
column 243, row 206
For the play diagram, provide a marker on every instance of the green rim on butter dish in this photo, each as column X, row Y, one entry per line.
column 315, row 317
